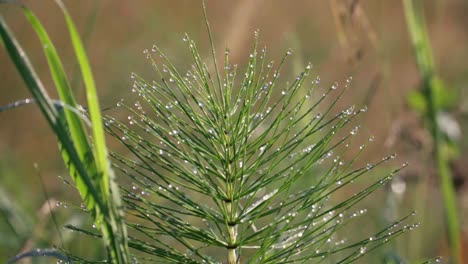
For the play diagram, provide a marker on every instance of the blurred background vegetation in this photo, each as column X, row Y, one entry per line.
column 365, row 39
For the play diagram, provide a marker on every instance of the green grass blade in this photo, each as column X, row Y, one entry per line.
column 72, row 137
column 47, row 107
column 114, row 227
column 93, row 103
column 74, row 122
column 423, row 54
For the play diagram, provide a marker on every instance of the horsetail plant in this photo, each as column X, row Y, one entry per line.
column 240, row 168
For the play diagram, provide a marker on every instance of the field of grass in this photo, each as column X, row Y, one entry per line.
column 407, row 95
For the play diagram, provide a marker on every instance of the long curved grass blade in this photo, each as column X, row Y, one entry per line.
column 93, row 103
column 91, row 181
column 74, row 122
column 48, row 108
column 113, row 227
column 50, row 112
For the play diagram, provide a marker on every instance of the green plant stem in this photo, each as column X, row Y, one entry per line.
column 230, row 213
column 420, row 41
column 229, row 154
column 232, row 252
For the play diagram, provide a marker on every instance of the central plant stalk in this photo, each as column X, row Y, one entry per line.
column 232, row 229
column 231, row 215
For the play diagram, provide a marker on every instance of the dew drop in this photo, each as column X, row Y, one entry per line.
column 362, row 250
column 334, row 86
column 349, row 111
column 354, row 131
column 262, row 149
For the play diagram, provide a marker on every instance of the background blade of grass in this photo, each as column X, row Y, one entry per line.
column 422, row 50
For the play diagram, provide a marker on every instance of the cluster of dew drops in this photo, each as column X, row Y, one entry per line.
column 347, row 112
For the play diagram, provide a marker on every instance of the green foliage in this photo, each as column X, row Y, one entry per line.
column 433, row 98
column 88, row 165
column 444, row 99
column 109, row 217
column 227, row 167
